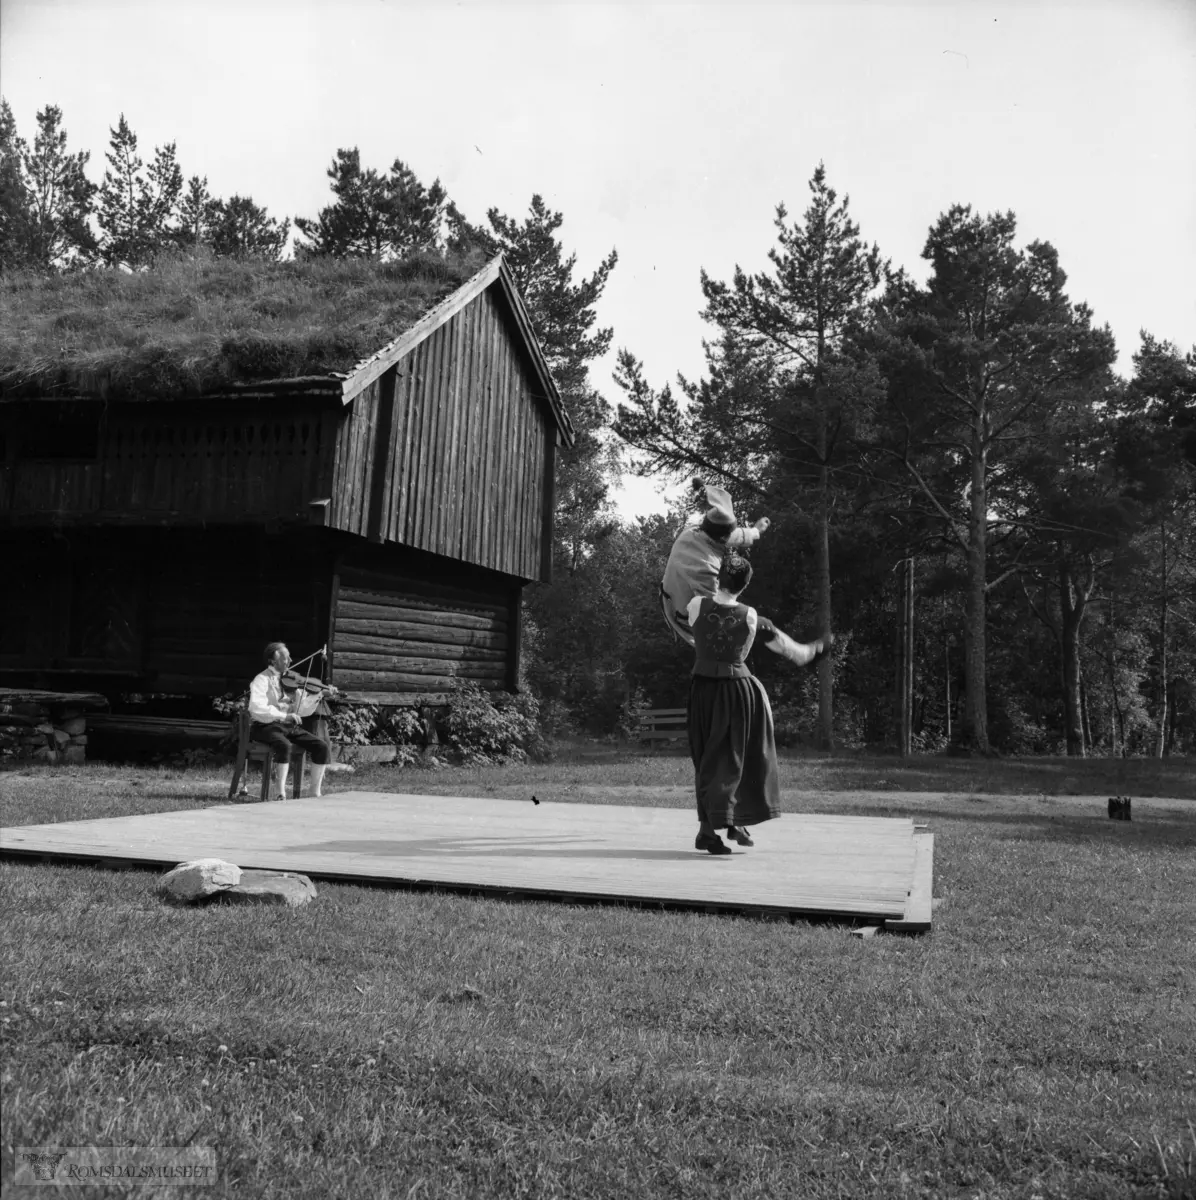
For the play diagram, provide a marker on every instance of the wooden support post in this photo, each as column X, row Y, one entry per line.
column 378, row 523
column 514, row 638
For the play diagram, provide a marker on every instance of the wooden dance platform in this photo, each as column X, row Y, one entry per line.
column 876, row 869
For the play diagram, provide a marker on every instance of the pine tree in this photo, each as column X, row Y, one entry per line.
column 240, row 229
column 785, row 388
column 60, row 196
column 15, row 205
column 1157, row 450
column 137, row 204
column 45, row 196
column 1074, row 522
column 562, row 311
column 375, row 216
column 977, row 362
column 196, row 212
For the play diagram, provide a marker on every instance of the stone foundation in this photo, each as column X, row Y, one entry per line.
column 43, row 731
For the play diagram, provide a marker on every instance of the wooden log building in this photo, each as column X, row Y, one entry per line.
column 393, row 511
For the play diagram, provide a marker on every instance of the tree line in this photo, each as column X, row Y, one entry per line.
column 996, row 525
column 1002, row 527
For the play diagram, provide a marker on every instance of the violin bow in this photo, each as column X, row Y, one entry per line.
column 321, row 652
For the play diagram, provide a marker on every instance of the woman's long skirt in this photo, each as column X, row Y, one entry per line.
column 733, row 750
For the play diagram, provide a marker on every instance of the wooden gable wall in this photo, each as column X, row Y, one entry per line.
column 451, row 452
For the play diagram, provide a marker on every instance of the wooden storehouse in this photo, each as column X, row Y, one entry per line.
column 392, row 510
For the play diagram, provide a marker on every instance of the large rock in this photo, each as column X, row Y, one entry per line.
column 200, row 878
column 271, row 887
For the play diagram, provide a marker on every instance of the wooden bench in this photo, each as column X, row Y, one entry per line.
column 662, row 724
column 182, row 727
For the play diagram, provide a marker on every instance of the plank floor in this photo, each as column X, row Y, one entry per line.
column 802, row 864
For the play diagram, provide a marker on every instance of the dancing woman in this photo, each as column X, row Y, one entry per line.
column 731, row 738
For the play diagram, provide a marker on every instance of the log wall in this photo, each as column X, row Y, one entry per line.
column 189, row 612
column 402, row 633
column 450, row 450
column 183, row 612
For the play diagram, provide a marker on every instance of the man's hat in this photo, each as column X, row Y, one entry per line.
column 720, row 511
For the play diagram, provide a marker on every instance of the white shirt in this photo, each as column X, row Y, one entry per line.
column 266, row 701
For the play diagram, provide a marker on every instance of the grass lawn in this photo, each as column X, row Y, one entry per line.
column 1040, row 1042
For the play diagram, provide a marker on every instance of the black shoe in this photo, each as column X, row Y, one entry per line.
column 741, row 837
column 711, row 843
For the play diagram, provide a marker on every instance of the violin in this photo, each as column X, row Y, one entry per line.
column 292, row 681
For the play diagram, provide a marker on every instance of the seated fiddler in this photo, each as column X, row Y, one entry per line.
column 276, row 720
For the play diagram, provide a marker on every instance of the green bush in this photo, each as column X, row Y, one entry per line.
column 352, row 724
column 492, row 727
column 377, row 725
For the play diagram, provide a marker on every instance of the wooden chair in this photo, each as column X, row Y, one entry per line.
column 250, row 751
column 662, row 724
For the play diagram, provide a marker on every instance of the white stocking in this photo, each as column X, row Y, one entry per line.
column 278, row 789
column 317, row 779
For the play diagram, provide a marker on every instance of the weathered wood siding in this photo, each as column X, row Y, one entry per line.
column 403, row 631
column 176, row 612
column 450, row 450
column 211, row 462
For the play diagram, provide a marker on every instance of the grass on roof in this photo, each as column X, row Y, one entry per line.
column 194, row 324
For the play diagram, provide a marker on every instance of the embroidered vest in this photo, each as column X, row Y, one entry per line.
column 722, row 639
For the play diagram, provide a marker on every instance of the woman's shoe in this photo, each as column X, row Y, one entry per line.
column 740, row 836
column 711, row 843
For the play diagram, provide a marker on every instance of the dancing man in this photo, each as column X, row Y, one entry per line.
column 692, row 569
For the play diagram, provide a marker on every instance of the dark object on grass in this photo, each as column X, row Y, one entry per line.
column 1119, row 808
column 535, row 801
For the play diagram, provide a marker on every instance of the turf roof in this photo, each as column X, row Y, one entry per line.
column 198, row 325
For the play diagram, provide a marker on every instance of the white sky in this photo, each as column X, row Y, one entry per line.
column 671, row 131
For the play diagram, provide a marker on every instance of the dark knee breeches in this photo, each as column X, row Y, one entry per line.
column 280, row 738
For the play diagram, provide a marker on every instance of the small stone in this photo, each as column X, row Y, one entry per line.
column 74, row 725
column 271, row 887
column 200, row 878
column 80, row 739
column 46, row 728
column 76, row 756
column 61, row 737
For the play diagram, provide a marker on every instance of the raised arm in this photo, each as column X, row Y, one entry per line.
column 781, row 643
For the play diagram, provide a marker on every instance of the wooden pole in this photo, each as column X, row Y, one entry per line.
column 907, row 661
column 947, row 676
